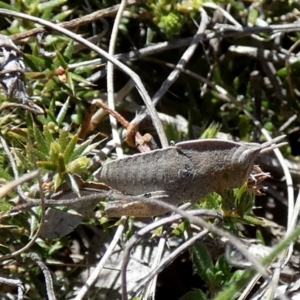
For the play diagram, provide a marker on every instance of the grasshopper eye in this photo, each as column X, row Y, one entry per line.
column 246, row 154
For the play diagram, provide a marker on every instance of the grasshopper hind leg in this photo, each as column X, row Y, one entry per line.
column 145, row 205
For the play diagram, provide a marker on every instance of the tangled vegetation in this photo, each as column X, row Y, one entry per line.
column 169, row 71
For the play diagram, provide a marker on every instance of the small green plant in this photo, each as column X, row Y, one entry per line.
column 170, row 15
column 216, row 276
column 62, row 155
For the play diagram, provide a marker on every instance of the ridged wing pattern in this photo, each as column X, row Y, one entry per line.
column 164, row 169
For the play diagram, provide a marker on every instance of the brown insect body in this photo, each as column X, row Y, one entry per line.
column 187, row 171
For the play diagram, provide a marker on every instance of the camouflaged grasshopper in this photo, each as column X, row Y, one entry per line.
column 186, row 171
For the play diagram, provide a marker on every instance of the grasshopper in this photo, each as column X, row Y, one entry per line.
column 186, row 171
